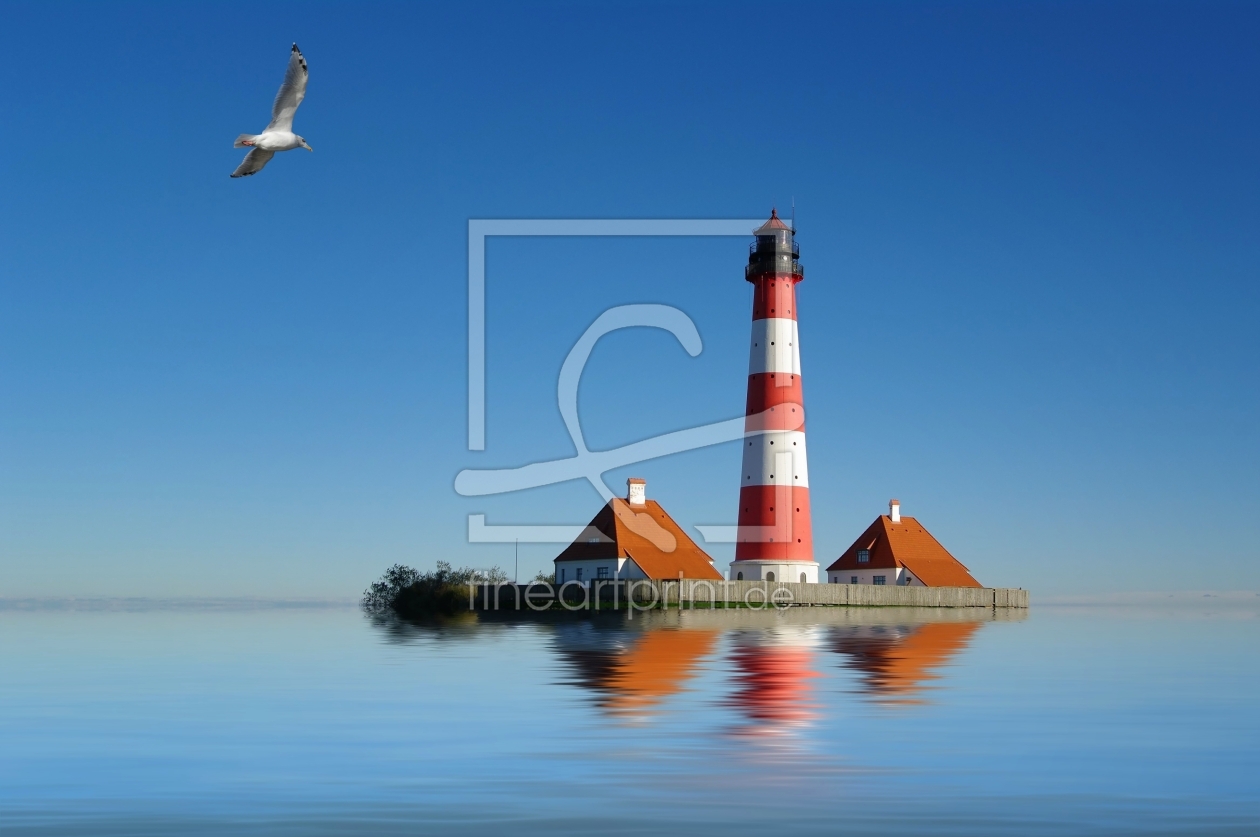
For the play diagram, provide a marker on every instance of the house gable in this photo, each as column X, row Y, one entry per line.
column 645, row 534
column 909, row 545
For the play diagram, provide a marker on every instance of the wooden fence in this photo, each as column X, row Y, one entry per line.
column 689, row 592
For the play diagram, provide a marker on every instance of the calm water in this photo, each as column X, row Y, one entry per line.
column 862, row 721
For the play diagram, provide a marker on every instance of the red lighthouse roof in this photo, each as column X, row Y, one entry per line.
column 772, row 226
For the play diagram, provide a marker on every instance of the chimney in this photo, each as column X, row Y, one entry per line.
column 894, row 510
column 637, row 491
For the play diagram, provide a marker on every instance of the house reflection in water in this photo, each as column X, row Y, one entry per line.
column 774, row 679
column 898, row 662
column 771, row 660
column 634, row 671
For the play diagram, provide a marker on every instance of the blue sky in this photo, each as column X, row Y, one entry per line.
column 1029, row 230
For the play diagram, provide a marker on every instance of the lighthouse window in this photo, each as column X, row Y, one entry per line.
column 864, row 556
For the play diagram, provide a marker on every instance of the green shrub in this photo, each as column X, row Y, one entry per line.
column 416, row 595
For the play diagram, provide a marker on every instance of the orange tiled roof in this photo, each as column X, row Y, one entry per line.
column 906, row 544
column 646, row 535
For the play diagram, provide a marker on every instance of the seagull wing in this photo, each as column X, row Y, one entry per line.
column 253, row 162
column 291, row 94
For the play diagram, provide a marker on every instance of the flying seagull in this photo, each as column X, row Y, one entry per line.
column 278, row 136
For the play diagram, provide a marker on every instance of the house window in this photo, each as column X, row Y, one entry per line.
column 562, row 572
column 853, row 579
column 879, row 579
column 579, row 573
column 601, row 572
column 864, row 556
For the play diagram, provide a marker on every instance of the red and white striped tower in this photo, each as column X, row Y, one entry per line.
column 775, row 541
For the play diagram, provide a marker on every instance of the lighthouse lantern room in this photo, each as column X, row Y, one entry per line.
column 774, row 540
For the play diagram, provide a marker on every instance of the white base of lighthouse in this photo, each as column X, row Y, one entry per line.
column 769, row 569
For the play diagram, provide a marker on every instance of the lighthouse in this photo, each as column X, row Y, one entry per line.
column 774, row 540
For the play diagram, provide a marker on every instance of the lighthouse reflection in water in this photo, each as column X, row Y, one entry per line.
column 1076, row 720
column 768, row 667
